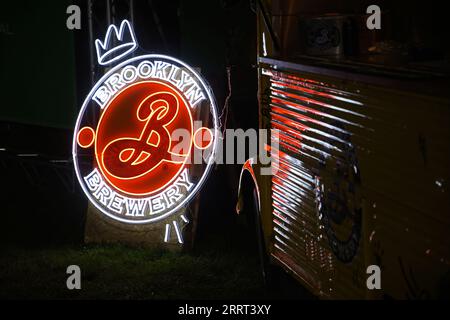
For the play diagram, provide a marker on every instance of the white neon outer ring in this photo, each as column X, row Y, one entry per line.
column 210, row 160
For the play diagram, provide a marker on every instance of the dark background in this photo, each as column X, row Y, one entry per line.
column 45, row 76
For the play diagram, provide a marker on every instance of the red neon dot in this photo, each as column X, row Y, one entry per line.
column 86, row 137
column 203, row 138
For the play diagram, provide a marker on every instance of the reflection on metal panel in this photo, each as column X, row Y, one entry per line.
column 317, row 209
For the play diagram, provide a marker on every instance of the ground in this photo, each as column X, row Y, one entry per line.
column 121, row 272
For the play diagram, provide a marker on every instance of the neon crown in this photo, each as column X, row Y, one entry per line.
column 108, row 52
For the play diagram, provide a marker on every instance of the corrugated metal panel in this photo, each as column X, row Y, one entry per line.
column 317, row 179
column 362, row 178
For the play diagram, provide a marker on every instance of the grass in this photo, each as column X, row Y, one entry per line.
column 121, row 272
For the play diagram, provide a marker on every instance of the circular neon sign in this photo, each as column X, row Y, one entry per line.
column 145, row 137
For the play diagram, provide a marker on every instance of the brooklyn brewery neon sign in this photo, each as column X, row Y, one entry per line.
column 124, row 152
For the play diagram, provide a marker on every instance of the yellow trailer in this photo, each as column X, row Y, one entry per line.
column 361, row 177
